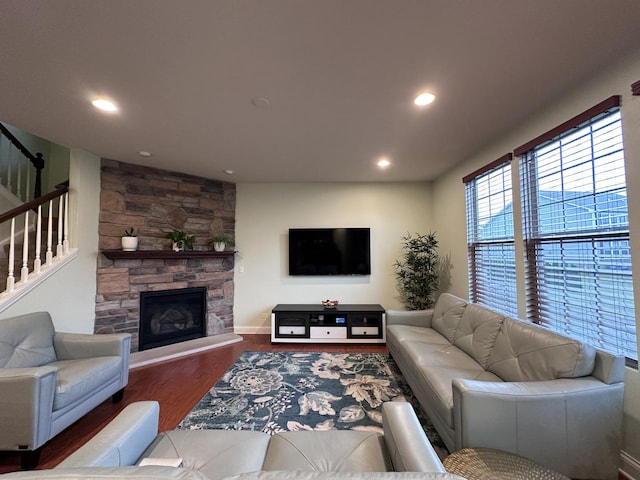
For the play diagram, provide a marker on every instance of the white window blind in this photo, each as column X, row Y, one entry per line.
column 490, row 241
column 576, row 234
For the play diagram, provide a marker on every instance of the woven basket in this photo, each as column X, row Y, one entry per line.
column 491, row 464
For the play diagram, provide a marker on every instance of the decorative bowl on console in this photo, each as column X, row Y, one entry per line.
column 329, row 303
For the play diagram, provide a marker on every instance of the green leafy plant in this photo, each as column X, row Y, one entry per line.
column 219, row 239
column 417, row 272
column 181, row 240
column 130, row 232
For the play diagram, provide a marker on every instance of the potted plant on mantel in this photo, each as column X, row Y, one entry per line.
column 219, row 242
column 130, row 240
column 181, row 240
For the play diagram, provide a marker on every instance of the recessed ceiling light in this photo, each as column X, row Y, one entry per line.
column 144, row 153
column 383, row 162
column 424, row 99
column 228, row 172
column 260, row 102
column 105, row 105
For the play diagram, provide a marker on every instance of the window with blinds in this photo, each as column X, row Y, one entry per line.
column 490, row 241
column 576, row 232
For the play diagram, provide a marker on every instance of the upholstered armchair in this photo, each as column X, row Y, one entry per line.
column 49, row 379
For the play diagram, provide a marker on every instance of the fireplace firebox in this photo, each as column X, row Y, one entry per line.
column 172, row 316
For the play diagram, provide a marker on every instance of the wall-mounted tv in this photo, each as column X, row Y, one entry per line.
column 329, row 251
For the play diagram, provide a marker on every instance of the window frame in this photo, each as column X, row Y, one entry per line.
column 535, row 241
column 479, row 249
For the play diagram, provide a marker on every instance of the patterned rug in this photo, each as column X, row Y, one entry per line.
column 283, row 391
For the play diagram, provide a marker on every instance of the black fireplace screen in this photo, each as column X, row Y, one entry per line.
column 172, row 316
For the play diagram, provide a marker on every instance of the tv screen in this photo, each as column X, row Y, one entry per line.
column 329, row 251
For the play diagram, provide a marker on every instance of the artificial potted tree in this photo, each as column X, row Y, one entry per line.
column 418, row 271
column 130, row 240
column 180, row 240
column 219, row 242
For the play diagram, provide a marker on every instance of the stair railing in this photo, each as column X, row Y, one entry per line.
column 36, row 160
column 54, row 202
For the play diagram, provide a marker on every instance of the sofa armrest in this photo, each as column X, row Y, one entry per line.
column 26, row 403
column 416, row 318
column 108, row 473
column 406, row 442
column 122, row 441
column 558, row 423
column 71, row 346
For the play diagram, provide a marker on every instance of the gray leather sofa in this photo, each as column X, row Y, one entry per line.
column 131, row 437
column 50, row 379
column 486, row 380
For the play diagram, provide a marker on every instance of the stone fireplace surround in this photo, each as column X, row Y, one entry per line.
column 154, row 202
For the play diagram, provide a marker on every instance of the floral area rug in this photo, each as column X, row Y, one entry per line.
column 283, row 391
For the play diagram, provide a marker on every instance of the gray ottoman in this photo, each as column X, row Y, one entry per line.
column 491, row 464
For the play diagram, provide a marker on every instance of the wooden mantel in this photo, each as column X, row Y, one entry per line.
column 146, row 254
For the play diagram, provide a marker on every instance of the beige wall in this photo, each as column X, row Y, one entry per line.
column 265, row 212
column 449, row 201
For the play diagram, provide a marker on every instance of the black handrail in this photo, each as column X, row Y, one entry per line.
column 36, row 160
column 60, row 190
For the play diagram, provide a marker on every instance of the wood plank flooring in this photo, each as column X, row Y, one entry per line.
column 176, row 384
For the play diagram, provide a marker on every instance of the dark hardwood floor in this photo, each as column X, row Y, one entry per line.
column 176, row 384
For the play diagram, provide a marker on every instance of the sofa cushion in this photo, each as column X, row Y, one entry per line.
column 477, row 332
column 447, row 313
column 438, row 367
column 328, row 451
column 77, row 379
column 27, row 341
column 298, row 475
column 210, row 453
column 524, row 352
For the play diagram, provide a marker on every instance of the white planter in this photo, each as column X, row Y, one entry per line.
column 129, row 244
column 219, row 246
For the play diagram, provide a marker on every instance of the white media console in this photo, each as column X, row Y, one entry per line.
column 292, row 323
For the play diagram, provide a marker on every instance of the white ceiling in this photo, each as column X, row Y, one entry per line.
column 339, row 75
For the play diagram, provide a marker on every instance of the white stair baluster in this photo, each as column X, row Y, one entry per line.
column 9, row 171
column 10, row 278
column 37, row 262
column 49, row 254
column 24, row 272
column 27, row 188
column 59, row 245
column 66, row 223
column 4, row 153
column 19, row 181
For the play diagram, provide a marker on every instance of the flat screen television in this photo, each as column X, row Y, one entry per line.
column 329, row 251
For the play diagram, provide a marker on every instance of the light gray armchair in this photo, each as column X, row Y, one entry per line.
column 49, row 379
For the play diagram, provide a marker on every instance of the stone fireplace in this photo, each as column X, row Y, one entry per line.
column 154, row 202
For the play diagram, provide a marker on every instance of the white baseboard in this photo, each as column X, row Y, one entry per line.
column 252, row 330
column 629, row 466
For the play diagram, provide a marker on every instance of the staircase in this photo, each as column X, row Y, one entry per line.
column 34, row 230
column 35, row 250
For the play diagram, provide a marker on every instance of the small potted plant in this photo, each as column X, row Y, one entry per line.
column 181, row 240
column 219, row 242
column 130, row 240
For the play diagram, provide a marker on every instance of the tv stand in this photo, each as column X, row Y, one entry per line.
column 292, row 323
